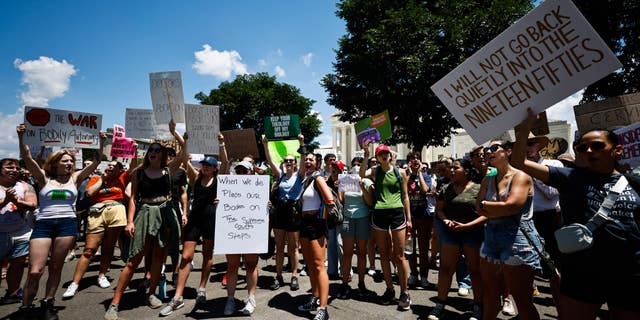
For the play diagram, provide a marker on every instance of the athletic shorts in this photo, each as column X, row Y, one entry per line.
column 106, row 215
column 312, row 228
column 197, row 228
column 284, row 217
column 388, row 219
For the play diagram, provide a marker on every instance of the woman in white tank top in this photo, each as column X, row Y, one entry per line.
column 55, row 228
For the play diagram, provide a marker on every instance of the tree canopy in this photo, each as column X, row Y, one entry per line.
column 394, row 51
column 248, row 99
column 617, row 23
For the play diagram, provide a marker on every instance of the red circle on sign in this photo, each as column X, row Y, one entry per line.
column 38, row 117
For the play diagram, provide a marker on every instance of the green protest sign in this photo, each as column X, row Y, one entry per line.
column 282, row 127
column 373, row 129
column 281, row 148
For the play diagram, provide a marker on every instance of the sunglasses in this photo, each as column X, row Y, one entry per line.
column 155, row 149
column 241, row 170
column 594, row 146
column 492, row 148
column 289, row 160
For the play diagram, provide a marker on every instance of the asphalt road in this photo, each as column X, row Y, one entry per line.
column 91, row 301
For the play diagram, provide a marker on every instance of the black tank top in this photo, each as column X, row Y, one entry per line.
column 203, row 197
column 149, row 188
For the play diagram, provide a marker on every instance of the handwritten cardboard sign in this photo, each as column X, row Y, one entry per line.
column 240, row 143
column 546, row 56
column 373, row 129
column 349, row 183
column 616, row 111
column 629, row 137
column 203, row 125
column 62, row 128
column 166, row 96
column 242, row 218
column 282, row 127
column 141, row 124
column 123, row 148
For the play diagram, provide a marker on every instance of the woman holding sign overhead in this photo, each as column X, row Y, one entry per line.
column 201, row 222
column 55, row 227
column 286, row 223
column 152, row 223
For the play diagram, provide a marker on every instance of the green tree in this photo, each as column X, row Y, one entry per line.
column 617, row 23
column 395, row 50
column 245, row 101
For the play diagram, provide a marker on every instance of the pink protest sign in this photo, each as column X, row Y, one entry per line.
column 122, row 148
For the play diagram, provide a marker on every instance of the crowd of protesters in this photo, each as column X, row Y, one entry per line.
column 489, row 218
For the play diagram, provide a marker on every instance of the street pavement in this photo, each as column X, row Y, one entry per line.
column 91, row 301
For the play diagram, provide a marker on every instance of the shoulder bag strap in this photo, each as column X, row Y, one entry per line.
column 605, row 208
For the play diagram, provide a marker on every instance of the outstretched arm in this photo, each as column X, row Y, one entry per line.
column 274, row 167
column 25, row 154
column 518, row 160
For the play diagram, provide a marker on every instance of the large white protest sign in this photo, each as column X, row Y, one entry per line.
column 62, row 128
column 166, row 96
column 203, row 126
column 141, row 124
column 544, row 57
column 349, row 183
column 242, row 218
column 629, row 137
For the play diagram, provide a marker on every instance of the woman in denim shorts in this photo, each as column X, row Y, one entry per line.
column 55, row 227
column 507, row 258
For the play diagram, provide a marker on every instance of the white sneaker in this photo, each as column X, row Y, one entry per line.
column 372, row 271
column 71, row 290
column 103, row 282
column 412, row 280
column 463, row 292
column 508, row 308
column 250, row 306
column 70, row 256
column 230, row 307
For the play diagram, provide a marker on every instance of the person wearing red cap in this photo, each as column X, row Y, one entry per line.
column 390, row 217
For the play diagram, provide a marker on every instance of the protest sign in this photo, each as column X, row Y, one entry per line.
column 373, row 129
column 240, row 143
column 544, row 57
column 141, row 124
column 123, row 148
column 629, row 138
column 616, row 111
column 242, row 218
column 281, row 148
column 167, row 97
column 203, row 125
column 281, row 127
column 349, row 183
column 62, row 128
column 35, row 149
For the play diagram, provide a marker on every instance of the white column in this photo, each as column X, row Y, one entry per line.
column 343, row 142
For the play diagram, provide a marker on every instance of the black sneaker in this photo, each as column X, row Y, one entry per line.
column 344, row 291
column 363, row 291
column 48, row 309
column 437, row 313
column 28, row 312
column 294, row 284
column 277, row 283
column 311, row 305
column 389, row 296
column 322, row 314
column 404, row 303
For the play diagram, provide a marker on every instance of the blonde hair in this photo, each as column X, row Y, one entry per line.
column 51, row 163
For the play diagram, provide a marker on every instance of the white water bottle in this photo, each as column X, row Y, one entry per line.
column 408, row 244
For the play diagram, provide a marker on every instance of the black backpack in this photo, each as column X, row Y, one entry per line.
column 336, row 216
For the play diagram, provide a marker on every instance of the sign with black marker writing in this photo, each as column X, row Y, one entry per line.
column 203, row 125
column 61, row 128
column 547, row 55
column 242, row 218
column 167, row 97
column 141, row 124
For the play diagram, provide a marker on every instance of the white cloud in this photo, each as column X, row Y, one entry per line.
column 46, row 78
column 563, row 110
column 306, row 59
column 262, row 63
column 9, row 140
column 279, row 72
column 219, row 64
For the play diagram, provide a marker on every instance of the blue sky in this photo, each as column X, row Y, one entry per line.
column 96, row 56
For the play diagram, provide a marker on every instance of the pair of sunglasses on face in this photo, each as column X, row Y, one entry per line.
column 594, row 146
column 155, row 149
column 493, row 148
